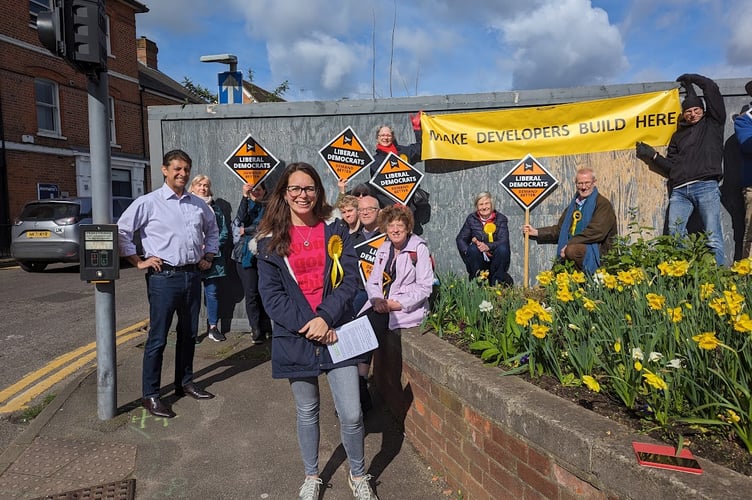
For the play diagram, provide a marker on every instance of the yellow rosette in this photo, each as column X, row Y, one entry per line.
column 489, row 228
column 334, row 248
column 576, row 217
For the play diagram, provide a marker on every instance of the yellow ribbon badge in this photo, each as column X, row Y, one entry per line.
column 334, row 248
column 576, row 216
column 489, row 228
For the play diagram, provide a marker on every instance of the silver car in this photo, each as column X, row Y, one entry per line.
column 48, row 231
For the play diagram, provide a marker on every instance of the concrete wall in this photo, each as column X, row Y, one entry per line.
column 296, row 131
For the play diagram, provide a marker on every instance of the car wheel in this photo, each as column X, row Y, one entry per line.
column 31, row 266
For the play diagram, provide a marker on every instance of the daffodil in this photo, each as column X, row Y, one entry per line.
column 637, row 353
column 625, row 277
column 545, row 277
column 610, row 281
column 564, row 295
column 654, row 380
column 742, row 267
column 589, row 304
column 485, row 306
column 540, row 331
column 674, row 314
column 655, row 356
column 743, row 323
column 591, row 383
column 675, row 363
column 706, row 290
column 578, row 277
column 483, row 275
column 617, row 345
column 637, row 366
column 655, row 301
column 707, row 341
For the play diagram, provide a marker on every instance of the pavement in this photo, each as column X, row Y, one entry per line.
column 241, row 444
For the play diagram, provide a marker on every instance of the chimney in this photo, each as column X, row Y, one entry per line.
column 147, row 52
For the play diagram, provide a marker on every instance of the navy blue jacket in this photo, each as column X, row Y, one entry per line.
column 293, row 355
column 473, row 227
column 411, row 153
column 743, row 128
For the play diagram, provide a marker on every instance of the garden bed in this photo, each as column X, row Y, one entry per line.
column 711, row 446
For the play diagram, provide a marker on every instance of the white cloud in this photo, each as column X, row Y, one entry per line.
column 564, row 44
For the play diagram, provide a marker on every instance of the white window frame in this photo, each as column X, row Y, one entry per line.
column 43, row 5
column 111, row 113
column 54, row 106
column 107, row 36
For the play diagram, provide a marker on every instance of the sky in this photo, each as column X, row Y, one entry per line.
column 365, row 49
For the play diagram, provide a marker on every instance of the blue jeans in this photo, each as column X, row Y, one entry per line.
column 171, row 292
column 211, row 299
column 346, row 393
column 705, row 197
column 497, row 265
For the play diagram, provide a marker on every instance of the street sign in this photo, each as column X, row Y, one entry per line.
column 345, row 155
column 46, row 191
column 251, row 162
column 230, row 87
column 397, row 179
column 528, row 182
column 366, row 253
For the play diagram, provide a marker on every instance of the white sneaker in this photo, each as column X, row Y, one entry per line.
column 310, row 489
column 361, row 488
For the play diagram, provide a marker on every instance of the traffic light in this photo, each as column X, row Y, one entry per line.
column 88, row 32
column 50, row 29
column 76, row 30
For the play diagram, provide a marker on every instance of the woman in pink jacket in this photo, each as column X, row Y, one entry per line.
column 402, row 277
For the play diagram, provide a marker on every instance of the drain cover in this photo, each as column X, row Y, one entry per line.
column 119, row 490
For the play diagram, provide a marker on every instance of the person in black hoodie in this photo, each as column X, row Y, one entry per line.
column 693, row 162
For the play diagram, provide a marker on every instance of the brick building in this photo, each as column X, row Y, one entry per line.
column 44, row 132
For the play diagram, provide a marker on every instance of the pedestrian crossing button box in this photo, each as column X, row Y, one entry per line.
column 100, row 258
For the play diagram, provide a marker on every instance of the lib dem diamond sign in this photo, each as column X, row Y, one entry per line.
column 366, row 253
column 397, row 178
column 345, row 155
column 528, row 182
column 251, row 161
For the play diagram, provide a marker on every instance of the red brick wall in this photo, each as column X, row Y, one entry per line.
column 495, row 437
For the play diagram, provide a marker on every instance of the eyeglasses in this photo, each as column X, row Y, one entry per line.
column 367, row 210
column 384, row 135
column 583, row 184
column 396, row 227
column 297, row 190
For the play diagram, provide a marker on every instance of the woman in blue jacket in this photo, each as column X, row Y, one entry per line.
column 483, row 241
column 308, row 276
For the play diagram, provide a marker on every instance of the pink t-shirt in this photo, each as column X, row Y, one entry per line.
column 308, row 261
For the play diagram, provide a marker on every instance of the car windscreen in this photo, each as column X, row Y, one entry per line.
column 49, row 211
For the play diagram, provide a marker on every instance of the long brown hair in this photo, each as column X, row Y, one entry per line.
column 277, row 221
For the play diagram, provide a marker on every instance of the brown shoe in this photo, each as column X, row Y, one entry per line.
column 155, row 406
column 193, row 391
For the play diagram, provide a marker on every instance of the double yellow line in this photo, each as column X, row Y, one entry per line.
column 18, row 395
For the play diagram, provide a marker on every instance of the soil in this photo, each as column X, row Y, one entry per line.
column 725, row 450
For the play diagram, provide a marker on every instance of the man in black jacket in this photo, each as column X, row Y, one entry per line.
column 693, row 162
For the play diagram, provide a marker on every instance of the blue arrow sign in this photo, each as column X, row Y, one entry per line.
column 231, row 87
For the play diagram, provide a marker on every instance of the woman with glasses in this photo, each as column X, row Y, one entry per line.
column 483, row 242
column 308, row 273
column 586, row 229
column 401, row 280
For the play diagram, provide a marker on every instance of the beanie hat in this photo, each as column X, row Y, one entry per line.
column 691, row 100
column 748, row 87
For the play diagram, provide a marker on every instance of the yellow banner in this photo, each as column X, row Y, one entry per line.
column 565, row 129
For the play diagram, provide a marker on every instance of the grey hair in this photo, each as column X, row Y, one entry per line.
column 384, row 126
column 480, row 196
